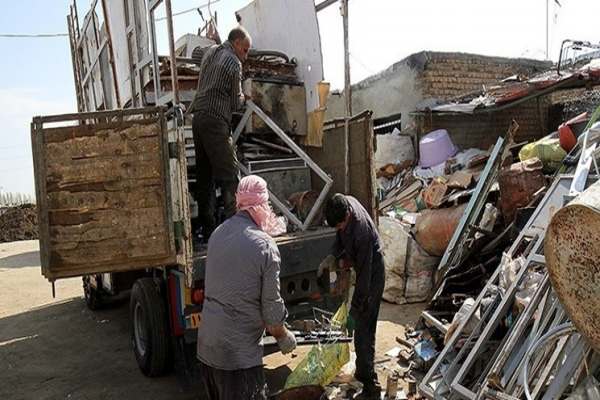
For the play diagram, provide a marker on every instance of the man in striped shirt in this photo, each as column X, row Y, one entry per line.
column 219, row 94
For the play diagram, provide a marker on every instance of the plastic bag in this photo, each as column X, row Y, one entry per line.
column 548, row 150
column 323, row 361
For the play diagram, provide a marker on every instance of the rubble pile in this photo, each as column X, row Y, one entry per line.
column 18, row 223
column 505, row 315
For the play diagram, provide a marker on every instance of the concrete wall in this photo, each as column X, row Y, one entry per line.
column 390, row 93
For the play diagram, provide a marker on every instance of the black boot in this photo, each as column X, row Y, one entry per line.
column 369, row 392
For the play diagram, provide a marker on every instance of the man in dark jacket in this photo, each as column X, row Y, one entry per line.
column 358, row 244
column 219, row 95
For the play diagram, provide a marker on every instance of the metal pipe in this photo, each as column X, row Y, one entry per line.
column 172, row 55
column 434, row 322
column 272, row 145
column 347, row 98
column 111, row 54
column 553, row 334
column 324, row 4
column 155, row 62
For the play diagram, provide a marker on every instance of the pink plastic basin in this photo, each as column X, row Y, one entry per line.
column 435, row 148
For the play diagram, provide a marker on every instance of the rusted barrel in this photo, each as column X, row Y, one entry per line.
column 434, row 228
column 572, row 251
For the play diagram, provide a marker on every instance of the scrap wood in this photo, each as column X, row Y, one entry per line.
column 460, row 180
column 433, row 195
column 403, row 194
column 405, row 342
column 388, row 171
column 477, row 160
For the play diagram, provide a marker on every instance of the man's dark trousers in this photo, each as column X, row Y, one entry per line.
column 366, row 325
column 216, row 165
column 241, row 384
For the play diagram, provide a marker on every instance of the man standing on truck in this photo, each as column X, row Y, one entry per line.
column 218, row 96
column 242, row 299
column 358, row 245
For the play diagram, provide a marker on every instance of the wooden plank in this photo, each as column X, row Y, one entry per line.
column 142, row 166
column 84, row 167
column 95, row 147
column 117, row 266
column 109, row 252
column 114, row 186
column 93, row 239
column 148, row 111
column 107, row 217
column 142, row 197
column 39, row 168
column 73, row 223
column 102, row 130
column 79, row 222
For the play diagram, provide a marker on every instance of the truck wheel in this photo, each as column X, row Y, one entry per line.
column 149, row 328
column 93, row 296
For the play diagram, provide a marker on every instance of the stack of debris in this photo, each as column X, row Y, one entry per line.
column 18, row 223
column 507, row 317
column 421, row 207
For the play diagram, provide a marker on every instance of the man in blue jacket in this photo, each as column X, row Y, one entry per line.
column 358, row 244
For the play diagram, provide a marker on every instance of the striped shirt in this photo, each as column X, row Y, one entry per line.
column 219, row 91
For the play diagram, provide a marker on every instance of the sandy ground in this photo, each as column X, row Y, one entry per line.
column 58, row 349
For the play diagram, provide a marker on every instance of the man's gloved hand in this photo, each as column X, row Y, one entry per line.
column 350, row 325
column 287, row 342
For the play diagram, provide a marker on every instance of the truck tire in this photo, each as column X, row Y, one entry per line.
column 92, row 296
column 149, row 328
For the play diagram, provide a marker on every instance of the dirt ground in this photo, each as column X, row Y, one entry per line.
column 58, row 349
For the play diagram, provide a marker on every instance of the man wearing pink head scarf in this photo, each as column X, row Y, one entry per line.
column 242, row 299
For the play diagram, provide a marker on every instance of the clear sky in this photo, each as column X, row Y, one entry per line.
column 36, row 77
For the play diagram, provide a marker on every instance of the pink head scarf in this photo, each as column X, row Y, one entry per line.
column 252, row 196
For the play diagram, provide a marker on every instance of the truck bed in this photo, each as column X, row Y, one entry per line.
column 301, row 252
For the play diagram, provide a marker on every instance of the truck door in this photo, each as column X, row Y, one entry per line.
column 105, row 192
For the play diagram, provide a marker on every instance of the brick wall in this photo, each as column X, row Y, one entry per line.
column 448, row 75
column 482, row 130
column 424, row 75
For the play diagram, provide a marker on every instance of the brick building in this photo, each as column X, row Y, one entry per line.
column 426, row 77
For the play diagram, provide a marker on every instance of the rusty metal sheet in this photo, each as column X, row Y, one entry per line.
column 572, row 251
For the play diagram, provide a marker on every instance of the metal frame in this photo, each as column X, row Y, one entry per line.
column 534, row 229
column 452, row 255
column 252, row 108
column 173, row 95
column 84, row 69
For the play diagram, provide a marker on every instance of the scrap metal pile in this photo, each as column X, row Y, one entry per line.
column 514, row 308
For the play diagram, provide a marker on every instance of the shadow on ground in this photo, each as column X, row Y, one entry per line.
column 64, row 350
column 29, row 259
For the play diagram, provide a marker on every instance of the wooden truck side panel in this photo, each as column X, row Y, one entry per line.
column 103, row 192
